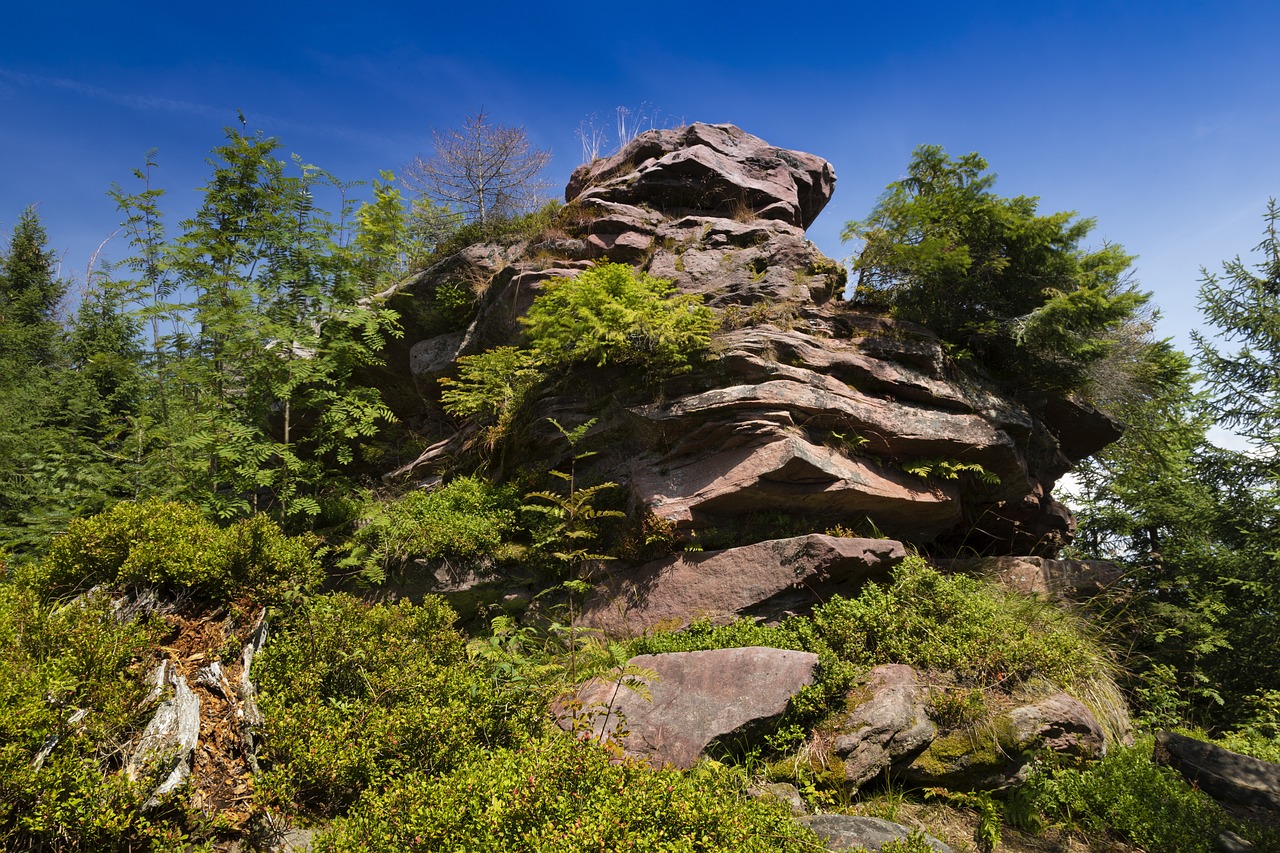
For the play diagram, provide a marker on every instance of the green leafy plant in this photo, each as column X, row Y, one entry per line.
column 1124, row 795
column 998, row 282
column 354, row 694
column 574, row 521
column 557, row 794
column 172, row 546
column 461, row 522
column 950, row 469
column 612, row 315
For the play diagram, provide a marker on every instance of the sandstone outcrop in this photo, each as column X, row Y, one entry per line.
column 766, row 580
column 696, row 699
column 806, row 406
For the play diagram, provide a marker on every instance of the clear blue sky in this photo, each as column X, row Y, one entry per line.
column 1159, row 119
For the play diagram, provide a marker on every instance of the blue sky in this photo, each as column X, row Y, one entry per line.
column 1158, row 119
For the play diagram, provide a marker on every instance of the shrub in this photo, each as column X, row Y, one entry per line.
column 612, row 315
column 561, row 795
column 1125, row 794
column 463, row 521
column 935, row 621
column 54, row 662
column 355, row 694
column 172, row 546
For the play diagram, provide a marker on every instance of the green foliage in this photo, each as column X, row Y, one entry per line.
column 1243, row 304
column 935, row 621
column 492, row 387
column 573, row 521
column 1259, row 734
column 612, row 315
column 172, row 546
column 57, row 661
column 1193, row 524
column 950, row 469
column 29, row 295
column 258, row 327
column 1125, row 795
column 996, row 281
column 355, row 695
column 461, row 522
column 560, row 795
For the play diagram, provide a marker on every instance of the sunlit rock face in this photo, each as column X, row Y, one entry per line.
column 806, row 405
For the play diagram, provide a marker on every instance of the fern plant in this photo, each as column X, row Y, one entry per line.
column 950, row 469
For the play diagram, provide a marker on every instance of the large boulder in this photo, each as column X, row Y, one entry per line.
column 696, row 699
column 768, row 580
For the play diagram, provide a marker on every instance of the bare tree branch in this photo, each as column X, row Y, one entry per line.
column 484, row 170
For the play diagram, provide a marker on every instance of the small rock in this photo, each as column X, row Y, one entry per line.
column 891, row 726
column 850, row 832
column 783, row 792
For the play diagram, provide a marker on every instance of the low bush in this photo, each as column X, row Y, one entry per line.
column 951, row 622
column 462, row 522
column 557, row 794
column 612, row 315
column 56, row 662
column 172, row 546
column 1126, row 796
column 355, row 694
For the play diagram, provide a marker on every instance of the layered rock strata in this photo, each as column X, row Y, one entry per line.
column 806, row 405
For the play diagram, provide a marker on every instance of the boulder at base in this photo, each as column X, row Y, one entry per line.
column 697, row 699
column 767, row 579
column 891, row 726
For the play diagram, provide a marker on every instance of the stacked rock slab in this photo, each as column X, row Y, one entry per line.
column 807, row 405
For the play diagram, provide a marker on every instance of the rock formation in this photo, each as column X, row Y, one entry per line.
column 807, row 405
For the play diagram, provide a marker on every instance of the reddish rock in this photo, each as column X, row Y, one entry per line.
column 767, row 579
column 890, row 725
column 698, row 698
column 1061, row 580
column 1060, row 723
column 715, row 168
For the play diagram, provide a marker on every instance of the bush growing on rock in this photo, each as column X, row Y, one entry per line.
column 460, row 522
column 612, row 315
column 930, row 620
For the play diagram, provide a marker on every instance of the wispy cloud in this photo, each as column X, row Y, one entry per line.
column 149, row 103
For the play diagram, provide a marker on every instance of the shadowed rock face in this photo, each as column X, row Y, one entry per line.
column 766, row 580
column 806, row 405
